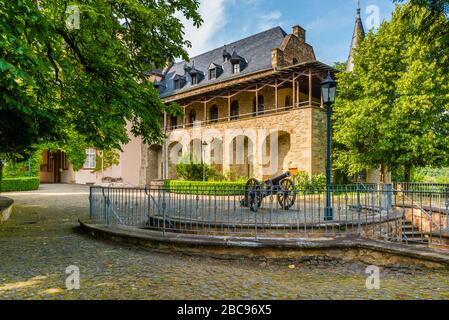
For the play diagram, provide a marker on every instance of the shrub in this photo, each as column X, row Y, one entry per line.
column 303, row 182
column 319, row 182
column 232, row 176
column 190, row 171
column 19, row 184
column 205, row 188
column 20, row 168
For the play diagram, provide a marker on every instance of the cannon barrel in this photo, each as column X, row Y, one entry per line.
column 276, row 180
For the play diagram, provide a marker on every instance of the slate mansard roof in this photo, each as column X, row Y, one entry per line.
column 254, row 50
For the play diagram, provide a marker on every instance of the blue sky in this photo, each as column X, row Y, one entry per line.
column 329, row 23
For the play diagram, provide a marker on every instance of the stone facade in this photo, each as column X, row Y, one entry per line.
column 299, row 133
column 254, row 124
column 292, row 50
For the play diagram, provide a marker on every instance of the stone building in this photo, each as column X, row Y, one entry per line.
column 252, row 108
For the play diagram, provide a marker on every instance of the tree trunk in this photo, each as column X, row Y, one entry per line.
column 407, row 173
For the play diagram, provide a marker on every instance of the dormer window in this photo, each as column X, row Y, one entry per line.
column 196, row 75
column 226, row 55
column 177, row 83
column 215, row 71
column 213, row 74
column 237, row 62
column 236, row 68
column 194, row 79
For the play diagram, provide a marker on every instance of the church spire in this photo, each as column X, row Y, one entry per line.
column 359, row 33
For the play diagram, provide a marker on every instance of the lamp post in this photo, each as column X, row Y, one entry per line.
column 328, row 89
column 203, row 154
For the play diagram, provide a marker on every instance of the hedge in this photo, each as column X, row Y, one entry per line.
column 205, row 188
column 19, row 184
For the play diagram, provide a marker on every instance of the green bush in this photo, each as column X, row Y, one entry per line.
column 205, row 188
column 232, row 176
column 19, row 184
column 19, row 169
column 319, row 182
column 303, row 182
column 190, row 171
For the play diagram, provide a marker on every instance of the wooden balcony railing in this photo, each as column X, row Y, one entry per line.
column 245, row 116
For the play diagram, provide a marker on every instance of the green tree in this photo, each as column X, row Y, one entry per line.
column 434, row 6
column 56, row 79
column 340, row 66
column 392, row 111
column 106, row 159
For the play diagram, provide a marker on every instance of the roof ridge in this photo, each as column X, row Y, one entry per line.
column 240, row 40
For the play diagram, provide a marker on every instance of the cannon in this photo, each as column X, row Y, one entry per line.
column 282, row 186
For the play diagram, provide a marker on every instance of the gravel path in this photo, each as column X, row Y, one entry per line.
column 40, row 242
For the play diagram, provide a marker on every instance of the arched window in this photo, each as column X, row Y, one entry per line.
column 192, row 116
column 288, row 103
column 174, row 122
column 214, row 114
column 235, row 110
column 261, row 106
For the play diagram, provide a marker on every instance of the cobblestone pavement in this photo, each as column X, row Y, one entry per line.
column 40, row 242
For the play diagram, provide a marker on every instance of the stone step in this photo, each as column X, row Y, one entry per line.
column 410, row 228
column 411, row 235
column 417, row 241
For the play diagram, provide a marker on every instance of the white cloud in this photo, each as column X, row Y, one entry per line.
column 269, row 20
column 214, row 16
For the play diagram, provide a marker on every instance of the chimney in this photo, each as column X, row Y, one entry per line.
column 300, row 33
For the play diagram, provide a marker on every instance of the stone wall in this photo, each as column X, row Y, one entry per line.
column 300, row 136
column 293, row 50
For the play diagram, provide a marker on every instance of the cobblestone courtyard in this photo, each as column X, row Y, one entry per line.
column 40, row 242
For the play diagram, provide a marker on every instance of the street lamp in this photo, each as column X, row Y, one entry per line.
column 204, row 144
column 328, row 89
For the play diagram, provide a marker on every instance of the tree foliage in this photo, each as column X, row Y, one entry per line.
column 190, row 170
column 57, row 82
column 392, row 111
column 106, row 159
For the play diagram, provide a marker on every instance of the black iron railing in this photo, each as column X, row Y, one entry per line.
column 383, row 212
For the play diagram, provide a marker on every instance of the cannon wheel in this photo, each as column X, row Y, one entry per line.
column 286, row 194
column 253, row 194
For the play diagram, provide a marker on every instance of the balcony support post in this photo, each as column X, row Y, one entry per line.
column 276, row 98
column 229, row 106
column 310, row 87
column 294, row 90
column 205, row 112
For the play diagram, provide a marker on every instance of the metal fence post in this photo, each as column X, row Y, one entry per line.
column 108, row 218
column 105, row 219
column 90, row 203
column 447, row 208
column 388, row 189
column 359, row 209
column 164, row 206
column 255, row 218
